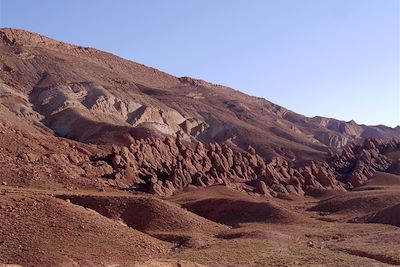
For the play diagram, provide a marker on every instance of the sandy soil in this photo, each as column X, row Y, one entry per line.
column 59, row 228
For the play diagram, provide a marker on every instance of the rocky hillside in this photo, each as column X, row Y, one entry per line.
column 91, row 96
column 106, row 162
column 165, row 166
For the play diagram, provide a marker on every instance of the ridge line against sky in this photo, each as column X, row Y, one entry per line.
column 330, row 58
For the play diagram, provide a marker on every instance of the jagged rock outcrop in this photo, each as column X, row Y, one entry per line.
column 357, row 163
column 164, row 166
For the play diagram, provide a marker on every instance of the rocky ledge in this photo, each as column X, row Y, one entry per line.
column 164, row 166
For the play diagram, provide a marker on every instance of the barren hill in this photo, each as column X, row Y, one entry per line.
column 91, row 96
column 107, row 162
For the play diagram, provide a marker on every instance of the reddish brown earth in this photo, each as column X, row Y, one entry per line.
column 88, row 95
column 388, row 215
column 40, row 230
column 106, row 162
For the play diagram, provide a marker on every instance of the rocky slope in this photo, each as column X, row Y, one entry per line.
column 77, row 116
column 106, row 162
column 91, row 96
column 164, row 166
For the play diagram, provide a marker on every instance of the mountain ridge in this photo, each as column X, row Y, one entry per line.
column 24, row 37
column 116, row 96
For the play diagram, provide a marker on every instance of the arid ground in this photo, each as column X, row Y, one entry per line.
column 106, row 162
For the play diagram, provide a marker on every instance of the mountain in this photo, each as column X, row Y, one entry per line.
column 107, row 162
column 92, row 96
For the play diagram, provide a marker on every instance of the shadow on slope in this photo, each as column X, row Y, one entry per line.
column 389, row 215
column 147, row 214
column 358, row 203
column 224, row 205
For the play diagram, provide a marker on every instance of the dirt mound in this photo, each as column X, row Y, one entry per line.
column 147, row 214
column 234, row 211
column 389, row 215
column 381, row 180
column 227, row 206
column 358, row 202
column 192, row 194
column 270, row 235
column 44, row 231
column 168, row 263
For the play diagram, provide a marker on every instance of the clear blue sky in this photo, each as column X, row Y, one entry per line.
column 334, row 58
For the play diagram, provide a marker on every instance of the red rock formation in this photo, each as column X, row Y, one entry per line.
column 358, row 163
column 162, row 167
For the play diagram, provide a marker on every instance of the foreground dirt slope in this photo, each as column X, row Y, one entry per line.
column 146, row 214
column 44, row 231
column 312, row 239
column 40, row 229
column 88, row 95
